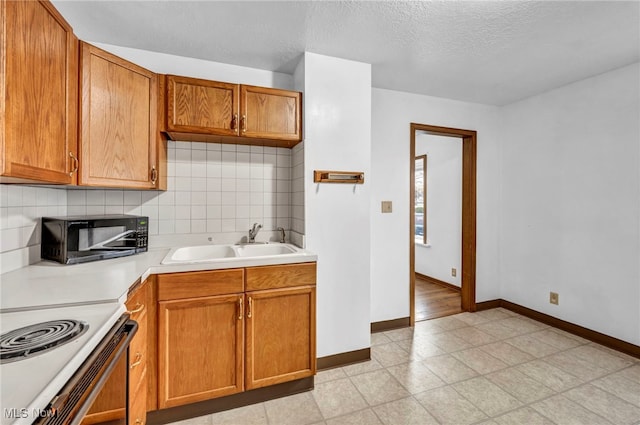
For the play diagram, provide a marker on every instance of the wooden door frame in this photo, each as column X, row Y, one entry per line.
column 468, row 267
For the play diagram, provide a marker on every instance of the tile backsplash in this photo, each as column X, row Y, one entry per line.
column 211, row 187
column 297, row 188
column 216, row 189
column 20, row 210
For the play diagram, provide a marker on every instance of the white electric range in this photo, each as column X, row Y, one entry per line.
column 30, row 382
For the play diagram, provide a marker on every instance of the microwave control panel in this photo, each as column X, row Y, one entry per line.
column 143, row 234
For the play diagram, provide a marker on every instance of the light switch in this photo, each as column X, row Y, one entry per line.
column 386, row 207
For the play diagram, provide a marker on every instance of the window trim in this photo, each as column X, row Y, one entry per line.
column 422, row 158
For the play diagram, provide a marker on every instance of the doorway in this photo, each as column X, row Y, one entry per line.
column 468, row 225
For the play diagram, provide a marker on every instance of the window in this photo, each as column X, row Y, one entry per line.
column 421, row 200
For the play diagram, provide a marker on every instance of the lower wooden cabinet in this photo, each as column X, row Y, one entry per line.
column 213, row 343
column 200, row 349
column 280, row 344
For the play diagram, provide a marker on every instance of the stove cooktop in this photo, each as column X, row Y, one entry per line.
column 29, row 384
column 28, row 341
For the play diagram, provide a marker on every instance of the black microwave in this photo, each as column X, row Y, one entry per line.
column 80, row 239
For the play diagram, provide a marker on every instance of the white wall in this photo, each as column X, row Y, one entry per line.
column 392, row 112
column 571, row 203
column 163, row 63
column 444, row 208
column 337, row 109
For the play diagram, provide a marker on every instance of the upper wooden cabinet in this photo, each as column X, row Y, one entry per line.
column 211, row 111
column 270, row 114
column 202, row 106
column 118, row 122
column 38, row 100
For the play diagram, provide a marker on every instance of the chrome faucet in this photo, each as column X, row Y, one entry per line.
column 282, row 234
column 253, row 232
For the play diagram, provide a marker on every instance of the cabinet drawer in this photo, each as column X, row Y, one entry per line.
column 174, row 286
column 283, row 276
column 139, row 342
column 137, row 303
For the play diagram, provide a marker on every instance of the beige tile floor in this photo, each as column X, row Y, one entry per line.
column 491, row 367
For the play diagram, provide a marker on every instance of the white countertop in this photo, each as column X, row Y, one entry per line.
column 47, row 283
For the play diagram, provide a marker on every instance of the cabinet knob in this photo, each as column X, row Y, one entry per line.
column 249, row 308
column 240, row 313
column 244, row 123
column 154, row 175
column 76, row 164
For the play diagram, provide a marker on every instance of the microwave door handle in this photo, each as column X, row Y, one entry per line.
column 101, row 245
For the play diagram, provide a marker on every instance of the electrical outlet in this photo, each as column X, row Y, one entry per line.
column 553, row 298
column 454, row 272
column 386, row 206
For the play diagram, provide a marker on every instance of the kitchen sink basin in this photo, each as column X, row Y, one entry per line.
column 262, row 250
column 219, row 253
column 204, row 252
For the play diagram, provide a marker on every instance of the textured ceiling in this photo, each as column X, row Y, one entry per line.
column 492, row 52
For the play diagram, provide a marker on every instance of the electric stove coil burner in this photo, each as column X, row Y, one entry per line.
column 39, row 338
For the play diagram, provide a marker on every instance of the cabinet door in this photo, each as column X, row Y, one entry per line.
column 118, row 134
column 38, row 100
column 202, row 106
column 200, row 349
column 270, row 113
column 281, row 336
